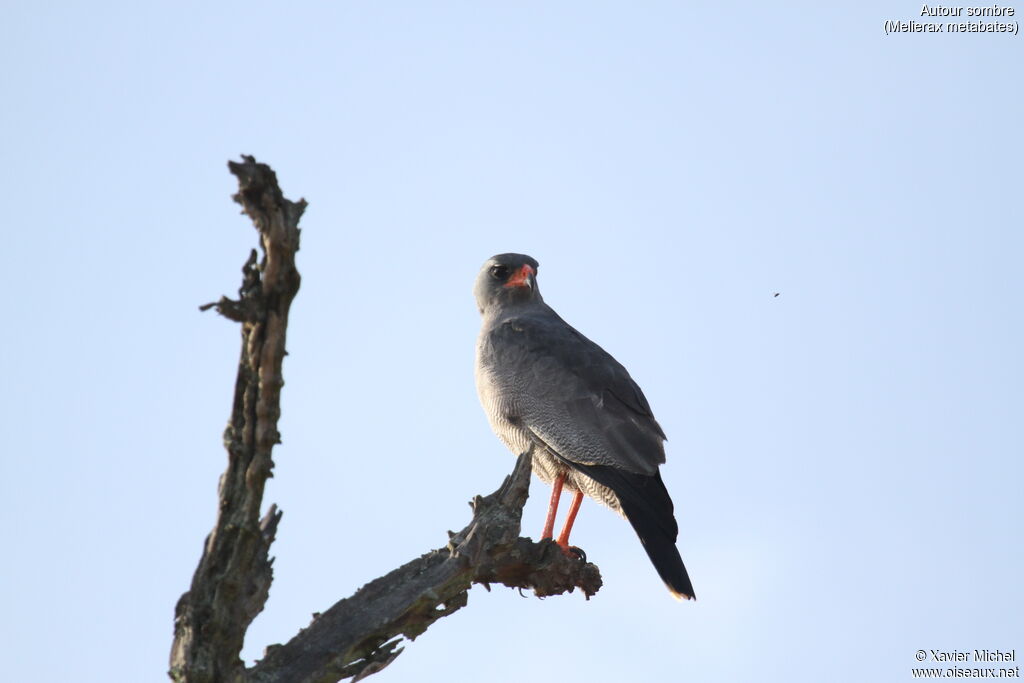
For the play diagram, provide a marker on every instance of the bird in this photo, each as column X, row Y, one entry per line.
column 550, row 391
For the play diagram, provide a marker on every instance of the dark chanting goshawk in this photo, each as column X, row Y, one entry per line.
column 547, row 388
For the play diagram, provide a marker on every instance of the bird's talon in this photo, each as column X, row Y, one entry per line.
column 573, row 551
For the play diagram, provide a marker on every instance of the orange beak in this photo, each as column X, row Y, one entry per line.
column 522, row 277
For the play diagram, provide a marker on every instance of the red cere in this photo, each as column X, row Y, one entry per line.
column 519, row 278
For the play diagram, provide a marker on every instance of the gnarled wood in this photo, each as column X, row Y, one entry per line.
column 231, row 583
column 359, row 635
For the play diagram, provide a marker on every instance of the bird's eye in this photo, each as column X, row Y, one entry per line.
column 499, row 272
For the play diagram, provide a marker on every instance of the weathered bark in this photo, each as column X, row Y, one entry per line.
column 359, row 635
column 231, row 583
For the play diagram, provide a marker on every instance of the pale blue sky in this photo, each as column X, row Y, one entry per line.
column 845, row 459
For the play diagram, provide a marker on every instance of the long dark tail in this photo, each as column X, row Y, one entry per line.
column 648, row 507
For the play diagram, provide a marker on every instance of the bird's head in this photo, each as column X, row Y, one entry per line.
column 506, row 279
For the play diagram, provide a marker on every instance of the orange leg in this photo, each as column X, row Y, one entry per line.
column 556, row 495
column 574, row 507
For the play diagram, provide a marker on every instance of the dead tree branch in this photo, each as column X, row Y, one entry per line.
column 358, row 636
column 231, row 583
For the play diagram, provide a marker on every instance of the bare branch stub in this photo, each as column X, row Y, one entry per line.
column 231, row 583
